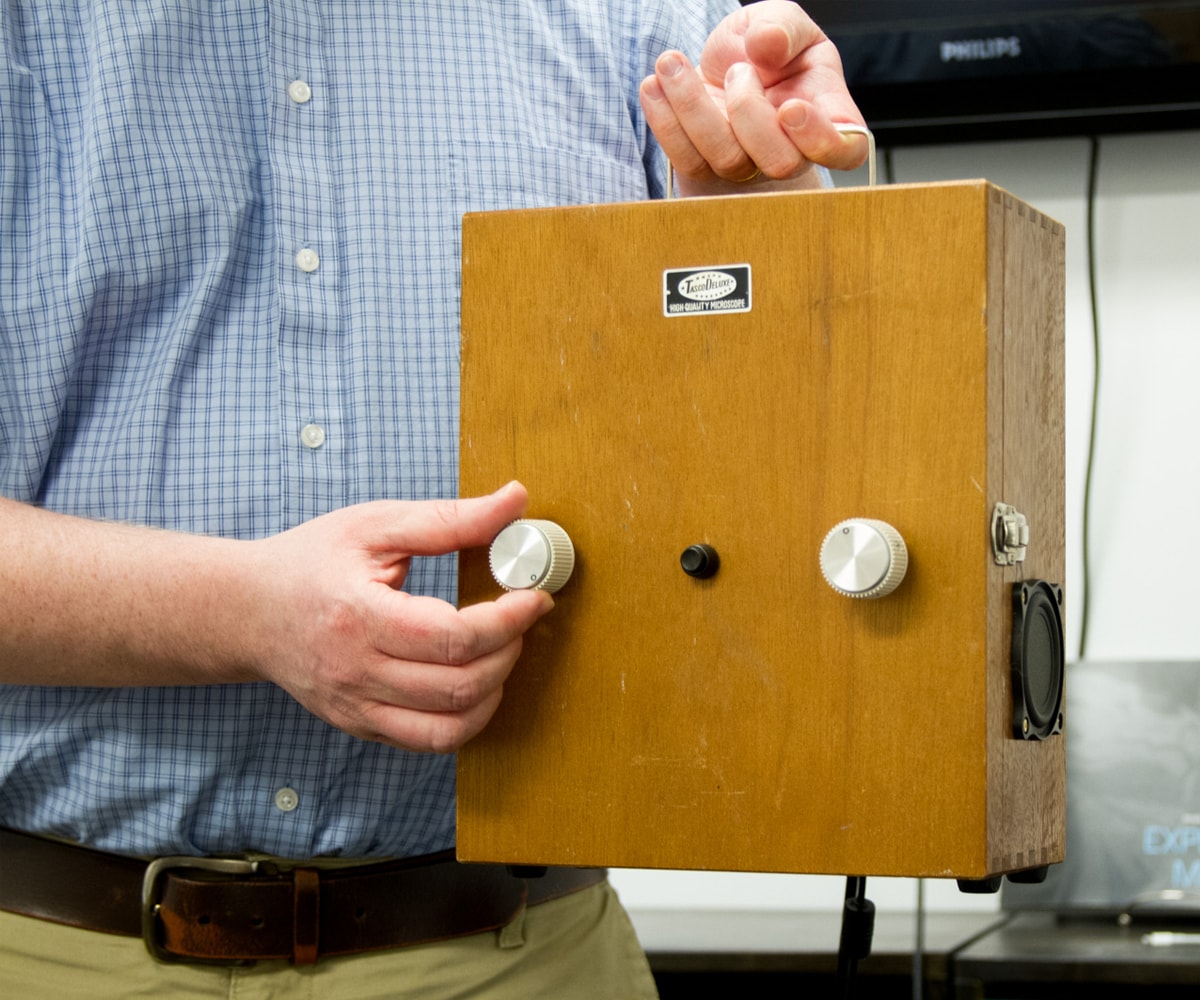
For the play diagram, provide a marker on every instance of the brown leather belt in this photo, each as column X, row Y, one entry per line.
column 231, row 911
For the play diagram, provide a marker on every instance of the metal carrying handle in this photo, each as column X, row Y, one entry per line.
column 845, row 128
column 849, row 128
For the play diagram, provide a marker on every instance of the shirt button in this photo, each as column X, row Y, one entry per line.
column 307, row 260
column 299, row 91
column 312, row 436
column 286, row 799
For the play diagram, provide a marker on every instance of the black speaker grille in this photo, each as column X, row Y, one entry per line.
column 1038, row 660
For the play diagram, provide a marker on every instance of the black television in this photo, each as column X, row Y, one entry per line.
column 926, row 71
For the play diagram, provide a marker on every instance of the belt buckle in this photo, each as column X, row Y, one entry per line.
column 155, row 871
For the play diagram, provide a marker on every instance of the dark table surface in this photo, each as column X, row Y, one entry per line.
column 1039, row 947
column 963, row 954
column 799, row 941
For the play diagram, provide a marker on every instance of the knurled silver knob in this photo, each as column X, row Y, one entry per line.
column 863, row 557
column 532, row 554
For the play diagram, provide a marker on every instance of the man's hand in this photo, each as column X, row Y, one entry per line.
column 317, row 610
column 761, row 107
column 379, row 663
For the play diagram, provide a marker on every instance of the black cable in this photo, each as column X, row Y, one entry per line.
column 858, row 929
column 918, row 963
column 1085, row 597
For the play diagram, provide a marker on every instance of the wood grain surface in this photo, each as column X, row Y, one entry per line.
column 902, row 359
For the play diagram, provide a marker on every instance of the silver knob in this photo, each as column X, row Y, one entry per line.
column 863, row 557
column 532, row 555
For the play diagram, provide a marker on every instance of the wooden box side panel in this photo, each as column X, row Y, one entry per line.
column 755, row 721
column 1026, row 779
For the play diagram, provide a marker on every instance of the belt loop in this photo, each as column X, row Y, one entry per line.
column 306, row 916
column 512, row 934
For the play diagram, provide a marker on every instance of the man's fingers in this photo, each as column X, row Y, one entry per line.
column 814, row 135
column 426, row 630
column 428, row 732
column 756, row 125
column 432, row 687
column 437, row 527
column 438, row 701
column 356, row 650
column 435, row 674
column 663, row 121
column 772, row 34
column 692, row 127
column 427, row 658
column 798, row 69
column 776, row 36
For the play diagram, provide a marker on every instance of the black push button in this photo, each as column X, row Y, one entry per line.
column 700, row 561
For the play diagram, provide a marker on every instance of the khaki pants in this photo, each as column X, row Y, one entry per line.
column 579, row 946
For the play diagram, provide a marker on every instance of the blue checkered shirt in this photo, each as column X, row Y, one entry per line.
column 229, row 273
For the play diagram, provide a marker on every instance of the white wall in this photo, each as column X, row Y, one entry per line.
column 1147, row 474
column 1145, row 523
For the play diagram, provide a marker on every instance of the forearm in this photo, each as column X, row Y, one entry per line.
column 319, row 610
column 106, row 604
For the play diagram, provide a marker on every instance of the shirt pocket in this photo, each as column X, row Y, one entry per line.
column 487, row 177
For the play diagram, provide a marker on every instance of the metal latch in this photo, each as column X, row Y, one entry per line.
column 1010, row 534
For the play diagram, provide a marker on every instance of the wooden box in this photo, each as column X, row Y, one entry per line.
column 898, row 355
